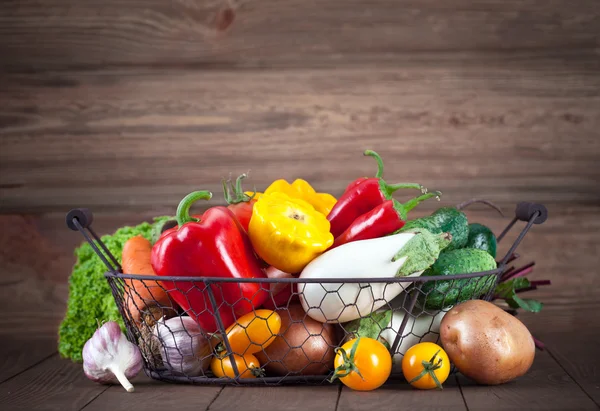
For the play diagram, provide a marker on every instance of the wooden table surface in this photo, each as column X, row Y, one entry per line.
column 564, row 376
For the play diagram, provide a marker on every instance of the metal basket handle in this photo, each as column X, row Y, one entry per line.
column 532, row 213
column 80, row 219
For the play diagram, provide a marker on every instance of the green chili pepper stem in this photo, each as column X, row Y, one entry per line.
column 404, row 208
column 377, row 157
column 183, row 210
column 389, row 189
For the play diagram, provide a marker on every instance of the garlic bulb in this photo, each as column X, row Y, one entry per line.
column 109, row 358
column 184, row 348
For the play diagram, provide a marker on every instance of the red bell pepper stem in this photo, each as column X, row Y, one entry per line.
column 379, row 173
column 183, row 209
column 384, row 219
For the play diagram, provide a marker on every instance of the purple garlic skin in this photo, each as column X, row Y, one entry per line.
column 108, row 357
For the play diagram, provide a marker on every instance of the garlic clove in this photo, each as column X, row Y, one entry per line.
column 108, row 357
column 183, row 345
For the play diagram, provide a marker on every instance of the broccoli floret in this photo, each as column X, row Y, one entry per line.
column 90, row 297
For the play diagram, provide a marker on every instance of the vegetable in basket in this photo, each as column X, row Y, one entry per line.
column 436, row 295
column 363, row 197
column 448, row 220
column 181, row 345
column 425, row 366
column 301, row 189
column 248, row 366
column 362, row 364
column 288, row 232
column 215, row 246
column 384, row 325
column 400, row 255
column 239, row 202
column 109, row 358
column 443, row 220
column 145, row 301
column 485, row 343
column 384, row 219
column 90, row 295
column 303, row 346
column 482, row 238
column 251, row 333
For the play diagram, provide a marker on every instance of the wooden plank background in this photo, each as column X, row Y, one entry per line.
column 129, row 105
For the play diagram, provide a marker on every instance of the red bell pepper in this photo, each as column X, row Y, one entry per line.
column 215, row 246
column 384, row 219
column 379, row 173
column 361, row 198
column 239, row 202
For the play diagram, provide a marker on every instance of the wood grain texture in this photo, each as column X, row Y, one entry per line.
column 54, row 34
column 54, row 384
column 155, row 395
column 545, row 387
column 20, row 353
column 277, row 398
column 569, row 333
column 34, row 269
column 139, row 139
column 400, row 395
column 572, row 352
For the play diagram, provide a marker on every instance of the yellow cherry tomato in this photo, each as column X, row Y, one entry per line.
column 363, row 364
column 247, row 365
column 426, row 365
column 252, row 332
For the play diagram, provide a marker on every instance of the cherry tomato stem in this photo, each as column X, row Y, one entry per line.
column 426, row 365
column 362, row 364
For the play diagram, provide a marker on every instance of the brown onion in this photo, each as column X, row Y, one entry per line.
column 303, row 346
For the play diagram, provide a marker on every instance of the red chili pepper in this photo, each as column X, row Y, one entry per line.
column 379, row 173
column 384, row 219
column 362, row 198
column 239, row 202
column 216, row 246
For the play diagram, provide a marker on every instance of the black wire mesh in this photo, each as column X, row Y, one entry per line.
column 289, row 342
column 291, row 338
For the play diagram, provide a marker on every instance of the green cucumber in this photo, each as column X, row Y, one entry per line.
column 437, row 295
column 444, row 220
column 482, row 238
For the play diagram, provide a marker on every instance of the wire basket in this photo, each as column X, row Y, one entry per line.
column 292, row 338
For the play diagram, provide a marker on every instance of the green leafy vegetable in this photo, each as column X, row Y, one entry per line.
column 508, row 291
column 90, row 296
column 371, row 326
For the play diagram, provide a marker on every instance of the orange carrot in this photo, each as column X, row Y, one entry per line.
column 143, row 298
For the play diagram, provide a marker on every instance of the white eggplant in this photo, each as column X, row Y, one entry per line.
column 423, row 328
column 405, row 254
column 384, row 325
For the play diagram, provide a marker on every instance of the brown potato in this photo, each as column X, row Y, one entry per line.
column 485, row 343
column 314, row 344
